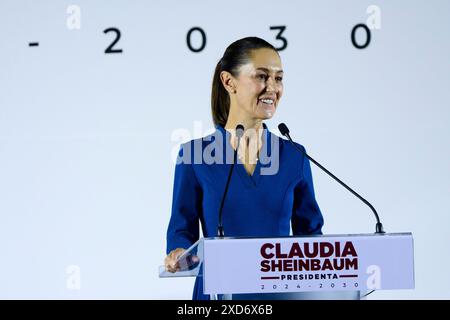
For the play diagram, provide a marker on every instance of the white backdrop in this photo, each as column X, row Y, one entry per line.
column 86, row 137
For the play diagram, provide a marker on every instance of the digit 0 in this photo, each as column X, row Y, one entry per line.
column 366, row 29
column 203, row 42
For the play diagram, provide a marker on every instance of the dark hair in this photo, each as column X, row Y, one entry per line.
column 237, row 54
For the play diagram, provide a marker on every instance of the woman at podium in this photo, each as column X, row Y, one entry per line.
column 270, row 189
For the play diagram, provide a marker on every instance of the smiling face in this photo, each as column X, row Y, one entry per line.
column 257, row 89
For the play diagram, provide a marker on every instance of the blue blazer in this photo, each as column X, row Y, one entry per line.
column 279, row 195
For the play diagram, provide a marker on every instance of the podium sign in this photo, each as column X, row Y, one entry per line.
column 312, row 263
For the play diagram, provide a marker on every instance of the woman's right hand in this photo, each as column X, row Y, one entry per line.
column 173, row 264
column 171, row 260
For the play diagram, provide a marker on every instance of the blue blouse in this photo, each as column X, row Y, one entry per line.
column 279, row 194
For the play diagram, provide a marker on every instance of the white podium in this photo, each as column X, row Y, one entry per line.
column 300, row 267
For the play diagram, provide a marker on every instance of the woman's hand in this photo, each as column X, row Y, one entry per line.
column 171, row 260
column 173, row 265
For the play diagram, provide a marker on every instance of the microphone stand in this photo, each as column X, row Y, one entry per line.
column 285, row 132
column 239, row 134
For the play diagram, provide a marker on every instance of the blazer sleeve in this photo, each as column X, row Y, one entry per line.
column 306, row 217
column 183, row 228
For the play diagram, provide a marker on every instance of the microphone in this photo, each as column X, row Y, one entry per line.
column 239, row 134
column 285, row 132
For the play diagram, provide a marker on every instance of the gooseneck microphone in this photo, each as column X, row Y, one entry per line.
column 285, row 132
column 239, row 134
